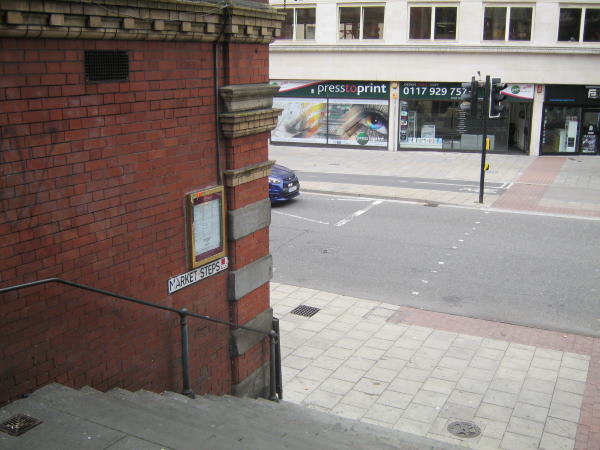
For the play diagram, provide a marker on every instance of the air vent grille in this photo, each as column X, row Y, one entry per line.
column 106, row 65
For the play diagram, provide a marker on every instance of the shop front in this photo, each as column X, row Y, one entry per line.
column 397, row 115
column 430, row 118
column 571, row 120
column 344, row 113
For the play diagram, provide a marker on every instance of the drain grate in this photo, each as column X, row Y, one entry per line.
column 19, row 424
column 464, row 429
column 305, row 310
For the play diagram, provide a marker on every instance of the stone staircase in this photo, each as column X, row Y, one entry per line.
column 123, row 420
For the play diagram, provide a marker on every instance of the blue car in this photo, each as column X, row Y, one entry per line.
column 283, row 184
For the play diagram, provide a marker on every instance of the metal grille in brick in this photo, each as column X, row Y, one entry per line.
column 106, row 65
column 464, row 429
column 19, row 424
column 304, row 310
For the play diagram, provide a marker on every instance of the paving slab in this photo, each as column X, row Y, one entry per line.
column 526, row 388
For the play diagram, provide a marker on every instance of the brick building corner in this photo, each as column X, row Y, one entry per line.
column 95, row 177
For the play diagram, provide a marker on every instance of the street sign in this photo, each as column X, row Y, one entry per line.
column 186, row 279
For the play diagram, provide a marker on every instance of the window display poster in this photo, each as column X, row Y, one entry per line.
column 589, row 141
column 358, row 123
column 302, row 120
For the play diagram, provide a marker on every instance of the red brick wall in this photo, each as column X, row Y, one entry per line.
column 94, row 177
column 247, row 63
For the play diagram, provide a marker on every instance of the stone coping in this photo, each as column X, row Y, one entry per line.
column 236, row 21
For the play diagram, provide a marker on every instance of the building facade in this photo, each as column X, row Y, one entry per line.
column 390, row 74
column 122, row 171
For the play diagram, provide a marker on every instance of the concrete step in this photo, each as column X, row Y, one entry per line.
column 123, row 420
column 59, row 430
column 253, row 428
column 129, row 418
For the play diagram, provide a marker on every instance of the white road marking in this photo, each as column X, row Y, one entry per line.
column 358, row 213
column 300, row 217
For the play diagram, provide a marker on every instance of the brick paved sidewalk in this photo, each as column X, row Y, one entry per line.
column 555, row 185
column 418, row 371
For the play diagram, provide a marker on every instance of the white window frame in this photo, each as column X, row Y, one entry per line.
column 295, row 21
column 434, row 7
column 507, row 21
column 361, row 24
column 581, row 24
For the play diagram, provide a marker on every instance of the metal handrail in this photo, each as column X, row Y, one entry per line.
column 183, row 314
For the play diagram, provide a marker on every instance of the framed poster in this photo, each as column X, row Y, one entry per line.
column 206, row 223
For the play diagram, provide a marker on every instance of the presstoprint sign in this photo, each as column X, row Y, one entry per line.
column 335, row 89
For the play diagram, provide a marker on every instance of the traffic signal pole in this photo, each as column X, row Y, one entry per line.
column 484, row 116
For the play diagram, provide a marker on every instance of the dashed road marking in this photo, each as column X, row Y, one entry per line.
column 358, row 213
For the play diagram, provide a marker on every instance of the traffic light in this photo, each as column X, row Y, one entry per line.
column 469, row 98
column 496, row 98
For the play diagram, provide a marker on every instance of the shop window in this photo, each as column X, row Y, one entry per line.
column 507, row 23
column 299, row 24
column 361, row 22
column 424, row 19
column 561, row 129
column 572, row 29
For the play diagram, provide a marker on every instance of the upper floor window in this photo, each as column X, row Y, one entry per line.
column 299, row 23
column 572, row 28
column 361, row 22
column 511, row 23
column 432, row 22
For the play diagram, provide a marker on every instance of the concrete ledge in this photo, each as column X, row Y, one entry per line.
column 250, row 277
column 247, row 97
column 243, row 340
column 245, row 221
column 245, row 123
column 255, row 385
column 235, row 177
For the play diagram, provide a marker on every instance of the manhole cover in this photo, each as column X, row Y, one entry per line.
column 19, row 424
column 464, row 429
column 305, row 310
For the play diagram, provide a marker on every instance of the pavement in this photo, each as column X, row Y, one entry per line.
column 419, row 371
column 561, row 185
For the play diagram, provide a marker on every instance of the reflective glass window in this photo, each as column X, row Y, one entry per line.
column 520, row 24
column 494, row 25
column 350, row 23
column 569, row 24
column 445, row 23
column 305, row 23
column 591, row 27
column 373, row 22
column 420, row 23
